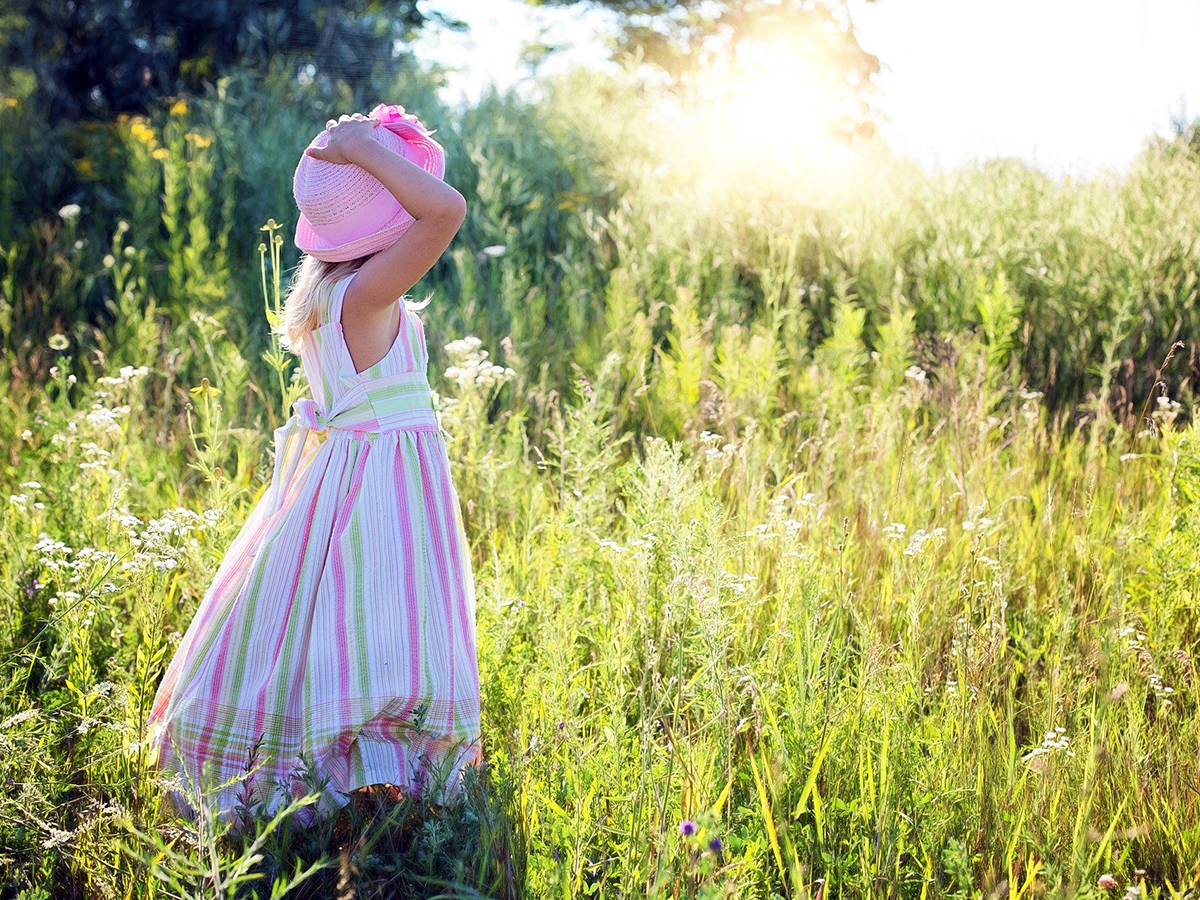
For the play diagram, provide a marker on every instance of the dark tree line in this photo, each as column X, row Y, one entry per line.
column 97, row 58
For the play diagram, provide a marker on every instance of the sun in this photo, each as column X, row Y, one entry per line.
column 763, row 116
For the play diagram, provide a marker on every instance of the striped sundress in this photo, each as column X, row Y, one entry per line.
column 340, row 626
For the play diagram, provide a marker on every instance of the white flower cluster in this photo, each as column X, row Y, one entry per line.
column 1167, row 409
column 107, row 420
column 736, row 584
column 711, row 450
column 1029, row 409
column 642, row 544
column 124, row 375
column 156, row 545
column 922, row 538
column 57, row 557
column 98, row 457
column 1055, row 741
column 917, row 374
column 1135, row 638
column 983, row 523
column 1161, row 690
column 470, row 365
column 23, row 499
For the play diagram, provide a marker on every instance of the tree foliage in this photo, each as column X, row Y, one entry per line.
column 97, row 58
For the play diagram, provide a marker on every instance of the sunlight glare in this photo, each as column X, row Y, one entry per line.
column 760, row 119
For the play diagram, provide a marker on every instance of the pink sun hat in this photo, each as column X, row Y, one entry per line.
column 345, row 211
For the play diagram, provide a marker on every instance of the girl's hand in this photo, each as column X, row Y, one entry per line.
column 347, row 136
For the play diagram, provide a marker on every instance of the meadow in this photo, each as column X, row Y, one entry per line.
column 834, row 534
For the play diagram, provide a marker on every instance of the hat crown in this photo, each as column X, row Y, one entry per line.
column 329, row 192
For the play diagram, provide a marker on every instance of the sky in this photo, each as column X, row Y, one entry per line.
column 1073, row 86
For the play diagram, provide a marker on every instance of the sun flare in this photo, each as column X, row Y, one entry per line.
column 765, row 116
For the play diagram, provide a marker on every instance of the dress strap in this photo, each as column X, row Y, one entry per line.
column 333, row 310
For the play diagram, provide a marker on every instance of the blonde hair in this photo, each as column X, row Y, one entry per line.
column 309, row 292
column 307, row 295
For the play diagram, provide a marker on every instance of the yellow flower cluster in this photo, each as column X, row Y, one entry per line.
column 143, row 132
column 198, row 139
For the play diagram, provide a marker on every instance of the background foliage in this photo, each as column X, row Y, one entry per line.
column 845, row 524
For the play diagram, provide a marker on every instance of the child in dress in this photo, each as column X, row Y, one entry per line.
column 339, row 631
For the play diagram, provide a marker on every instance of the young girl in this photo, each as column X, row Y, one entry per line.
column 339, row 632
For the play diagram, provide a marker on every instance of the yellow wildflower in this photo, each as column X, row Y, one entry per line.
column 143, row 133
column 10, row 101
column 161, row 153
column 198, row 139
column 179, row 107
column 204, row 389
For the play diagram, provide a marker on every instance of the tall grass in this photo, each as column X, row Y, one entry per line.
column 793, row 580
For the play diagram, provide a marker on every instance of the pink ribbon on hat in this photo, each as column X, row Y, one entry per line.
column 390, row 114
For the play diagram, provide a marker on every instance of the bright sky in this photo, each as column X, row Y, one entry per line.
column 1071, row 85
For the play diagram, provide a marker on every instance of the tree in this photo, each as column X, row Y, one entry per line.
column 97, row 58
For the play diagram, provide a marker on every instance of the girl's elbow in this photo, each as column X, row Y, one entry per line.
column 456, row 208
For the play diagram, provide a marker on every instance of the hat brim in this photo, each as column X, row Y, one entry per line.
column 313, row 244
column 420, row 149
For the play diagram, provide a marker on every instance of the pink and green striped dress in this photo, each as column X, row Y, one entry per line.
column 340, row 625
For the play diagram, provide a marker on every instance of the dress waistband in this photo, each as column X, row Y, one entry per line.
column 401, row 402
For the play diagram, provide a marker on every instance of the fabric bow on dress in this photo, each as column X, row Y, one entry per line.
column 295, row 442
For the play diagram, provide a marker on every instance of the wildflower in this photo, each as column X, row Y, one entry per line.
column 687, row 827
column 470, row 364
column 70, row 212
column 205, row 389
column 1107, row 882
column 108, row 260
column 715, row 845
column 161, row 153
column 57, row 838
column 917, row 374
column 494, row 250
column 179, row 107
column 1056, row 740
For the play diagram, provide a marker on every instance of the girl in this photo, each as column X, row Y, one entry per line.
column 339, row 633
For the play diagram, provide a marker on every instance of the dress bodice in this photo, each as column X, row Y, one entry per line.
column 391, row 394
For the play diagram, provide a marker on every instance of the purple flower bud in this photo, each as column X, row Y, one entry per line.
column 687, row 827
column 715, row 845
